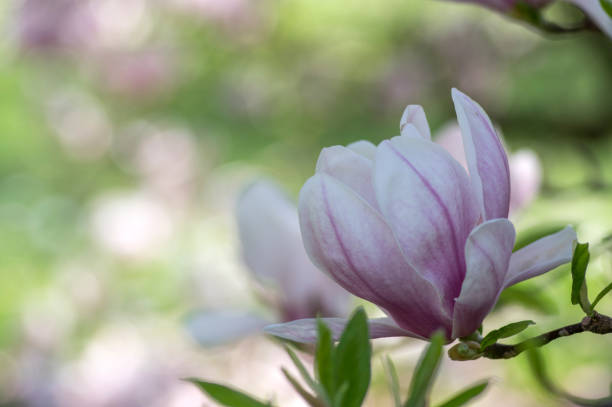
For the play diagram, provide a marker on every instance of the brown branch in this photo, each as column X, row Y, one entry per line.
column 595, row 323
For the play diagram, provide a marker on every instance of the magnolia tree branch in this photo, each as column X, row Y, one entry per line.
column 596, row 323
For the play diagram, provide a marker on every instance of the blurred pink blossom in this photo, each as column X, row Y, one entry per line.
column 273, row 251
column 54, row 24
column 131, row 225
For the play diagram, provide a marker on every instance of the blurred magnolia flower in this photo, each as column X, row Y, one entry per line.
column 54, row 24
column 273, row 251
column 525, row 178
column 130, row 225
column 108, row 37
column 524, row 165
column 85, row 26
column 592, row 8
column 404, row 226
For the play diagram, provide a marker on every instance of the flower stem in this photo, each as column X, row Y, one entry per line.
column 596, row 323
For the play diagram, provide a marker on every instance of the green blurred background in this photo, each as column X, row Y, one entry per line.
column 128, row 128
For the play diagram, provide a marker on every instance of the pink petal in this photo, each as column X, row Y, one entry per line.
column 487, row 255
column 541, row 256
column 486, row 158
column 349, row 239
column 415, row 115
column 305, row 330
column 425, row 197
column 352, row 169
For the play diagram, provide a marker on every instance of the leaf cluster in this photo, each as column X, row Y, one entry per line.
column 342, row 373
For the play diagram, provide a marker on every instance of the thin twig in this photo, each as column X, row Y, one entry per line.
column 596, row 323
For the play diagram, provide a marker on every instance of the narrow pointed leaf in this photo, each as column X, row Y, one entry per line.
column 316, row 387
column 601, row 295
column 504, row 332
column 465, row 396
column 307, row 396
column 425, row 372
column 391, row 373
column 580, row 261
column 324, row 358
column 227, row 396
column 352, row 360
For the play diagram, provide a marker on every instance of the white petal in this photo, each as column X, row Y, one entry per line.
column 305, row 330
column 541, row 256
column 486, row 158
column 415, row 115
column 363, row 147
column 487, row 255
column 352, row 169
column 425, row 197
column 350, row 240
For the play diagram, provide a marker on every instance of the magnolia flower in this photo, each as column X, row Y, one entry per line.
column 404, row 226
column 524, row 165
column 592, row 8
column 273, row 251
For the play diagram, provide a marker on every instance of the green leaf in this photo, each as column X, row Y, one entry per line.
column 580, row 261
column 309, row 398
column 226, row 395
column 601, row 295
column 504, row 332
column 391, row 373
column 466, row 395
column 339, row 396
column 352, row 360
column 607, row 6
column 316, row 387
column 425, row 372
column 324, row 358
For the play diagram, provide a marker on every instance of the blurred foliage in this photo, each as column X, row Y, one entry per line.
column 259, row 90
